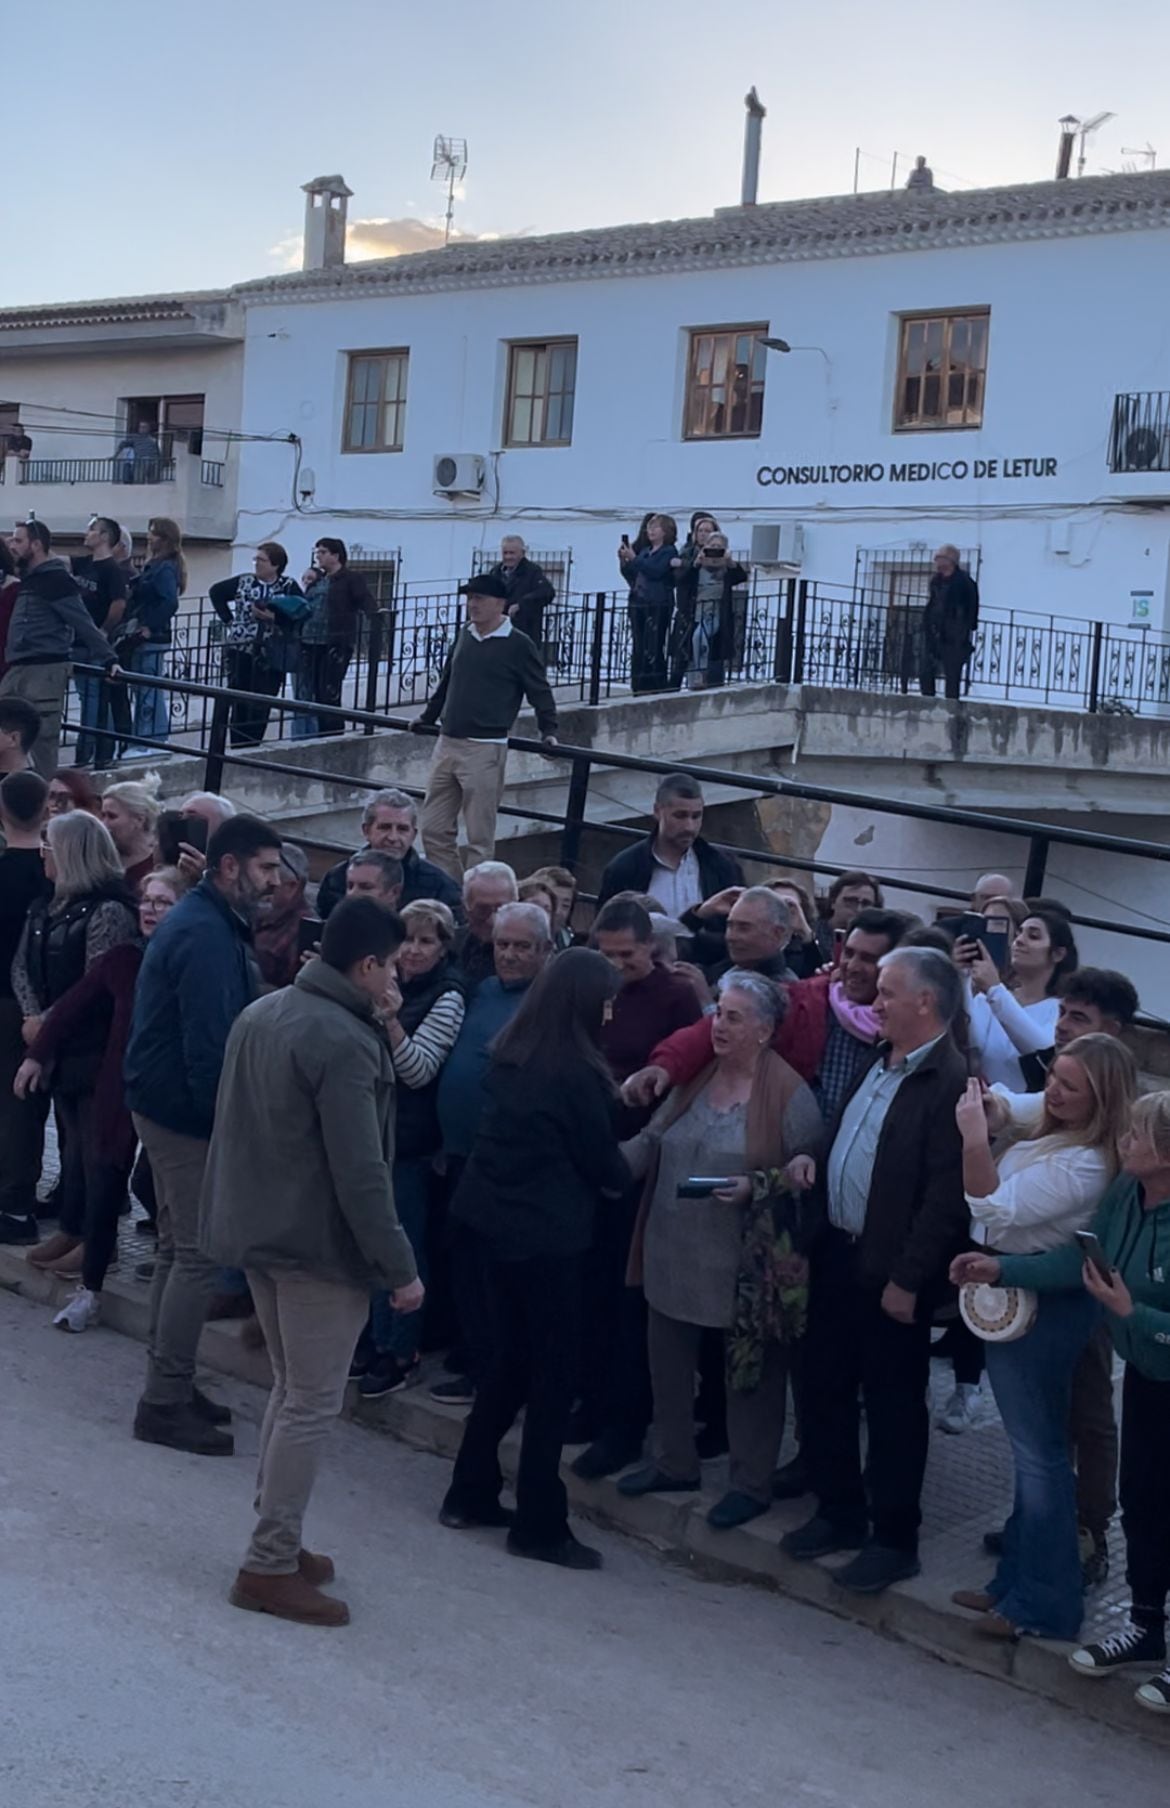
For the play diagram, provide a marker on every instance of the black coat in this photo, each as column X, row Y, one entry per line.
column 529, row 593
column 420, row 879
column 721, row 651
column 951, row 615
column 917, row 1220
column 545, row 1151
column 633, row 869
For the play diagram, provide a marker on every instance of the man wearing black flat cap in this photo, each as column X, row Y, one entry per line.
column 489, row 672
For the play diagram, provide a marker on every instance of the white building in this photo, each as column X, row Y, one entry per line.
column 990, row 368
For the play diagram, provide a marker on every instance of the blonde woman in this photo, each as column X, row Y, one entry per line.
column 1028, row 1199
column 130, row 810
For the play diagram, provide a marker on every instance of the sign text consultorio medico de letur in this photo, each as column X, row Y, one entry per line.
column 910, row 471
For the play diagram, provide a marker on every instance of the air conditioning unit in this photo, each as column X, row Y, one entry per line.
column 778, row 543
column 458, row 474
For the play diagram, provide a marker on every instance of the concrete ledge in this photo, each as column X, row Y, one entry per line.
column 918, row 1612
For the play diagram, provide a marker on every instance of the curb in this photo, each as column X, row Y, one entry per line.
column 918, row 1613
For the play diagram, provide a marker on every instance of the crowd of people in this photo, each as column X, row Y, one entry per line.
column 720, row 1159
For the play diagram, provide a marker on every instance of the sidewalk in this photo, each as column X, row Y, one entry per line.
column 967, row 1492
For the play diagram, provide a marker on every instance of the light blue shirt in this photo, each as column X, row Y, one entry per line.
column 855, row 1145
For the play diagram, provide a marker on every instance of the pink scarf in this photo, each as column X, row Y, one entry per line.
column 858, row 1020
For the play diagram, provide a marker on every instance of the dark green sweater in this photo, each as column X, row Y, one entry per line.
column 1137, row 1243
column 483, row 685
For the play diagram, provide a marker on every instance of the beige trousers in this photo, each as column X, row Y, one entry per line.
column 466, row 778
column 44, row 687
column 310, row 1327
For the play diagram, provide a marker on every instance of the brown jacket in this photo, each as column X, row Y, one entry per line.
column 917, row 1218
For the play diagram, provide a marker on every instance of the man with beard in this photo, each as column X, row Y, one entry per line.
column 199, row 973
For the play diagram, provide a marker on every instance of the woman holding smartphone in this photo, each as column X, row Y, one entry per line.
column 1027, row 1200
column 1017, row 1015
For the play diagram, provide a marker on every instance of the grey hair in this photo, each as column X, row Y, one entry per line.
column 777, row 906
column 223, row 805
column 490, row 869
column 533, row 916
column 432, row 911
column 84, row 855
column 514, row 540
column 390, row 800
column 935, row 973
column 767, row 999
column 388, row 868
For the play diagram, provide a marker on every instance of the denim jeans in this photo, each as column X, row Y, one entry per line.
column 400, row 1333
column 1038, row 1583
column 94, row 707
column 152, row 707
column 304, row 726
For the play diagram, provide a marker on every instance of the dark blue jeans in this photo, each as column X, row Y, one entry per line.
column 1038, row 1583
column 400, row 1333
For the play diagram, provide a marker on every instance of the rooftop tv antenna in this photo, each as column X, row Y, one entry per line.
column 1147, row 153
column 1084, row 130
column 449, row 165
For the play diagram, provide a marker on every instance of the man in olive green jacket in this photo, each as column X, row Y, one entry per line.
column 298, row 1194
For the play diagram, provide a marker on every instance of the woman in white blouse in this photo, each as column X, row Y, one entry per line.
column 1017, row 1016
column 1043, row 1185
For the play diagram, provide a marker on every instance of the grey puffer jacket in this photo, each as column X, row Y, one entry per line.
column 298, row 1172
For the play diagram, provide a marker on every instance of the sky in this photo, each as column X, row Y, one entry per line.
column 575, row 115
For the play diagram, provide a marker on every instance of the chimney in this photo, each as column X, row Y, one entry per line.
column 325, row 208
column 752, row 129
column 1068, row 132
column 921, row 177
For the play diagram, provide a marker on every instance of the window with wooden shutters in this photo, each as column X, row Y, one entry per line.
column 725, row 383
column 942, row 371
column 375, row 402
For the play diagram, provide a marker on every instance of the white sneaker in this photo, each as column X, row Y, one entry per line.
column 82, row 1311
column 961, row 1411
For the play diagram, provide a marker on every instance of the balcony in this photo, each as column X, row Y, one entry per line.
column 1139, row 437
column 199, row 493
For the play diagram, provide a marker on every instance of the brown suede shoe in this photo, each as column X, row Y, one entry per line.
column 52, row 1249
column 288, row 1598
column 314, row 1568
column 975, row 1600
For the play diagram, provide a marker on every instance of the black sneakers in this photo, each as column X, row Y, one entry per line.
column 180, row 1428
column 1130, row 1647
column 385, row 1375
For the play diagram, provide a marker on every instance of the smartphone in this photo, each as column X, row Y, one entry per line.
column 175, row 827
column 997, row 943
column 838, row 945
column 625, row 539
column 1094, row 1253
column 699, row 1186
column 309, row 934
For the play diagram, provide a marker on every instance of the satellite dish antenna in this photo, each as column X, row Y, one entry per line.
column 449, row 165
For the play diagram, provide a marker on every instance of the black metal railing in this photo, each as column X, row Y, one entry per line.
column 96, row 470
column 1139, row 437
column 578, row 764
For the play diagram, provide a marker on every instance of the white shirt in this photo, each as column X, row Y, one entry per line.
column 500, row 633
column 677, row 889
column 1003, row 1029
column 1047, row 1189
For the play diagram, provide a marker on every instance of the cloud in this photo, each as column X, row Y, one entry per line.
column 378, row 238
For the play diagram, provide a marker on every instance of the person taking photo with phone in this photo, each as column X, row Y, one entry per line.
column 1015, row 1015
column 1043, row 1188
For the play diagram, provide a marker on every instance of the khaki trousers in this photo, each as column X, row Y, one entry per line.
column 466, row 777
column 44, row 687
column 183, row 1276
column 755, row 1420
column 310, row 1327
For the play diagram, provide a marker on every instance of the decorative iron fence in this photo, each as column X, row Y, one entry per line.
column 1139, row 437
column 96, row 470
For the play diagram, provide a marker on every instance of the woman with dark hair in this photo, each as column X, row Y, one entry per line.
column 90, row 911
column 73, row 789
column 650, row 576
column 1017, row 1016
column 261, row 611
column 545, row 1153
column 144, row 635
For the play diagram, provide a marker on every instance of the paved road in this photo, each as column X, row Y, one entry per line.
column 467, row 1680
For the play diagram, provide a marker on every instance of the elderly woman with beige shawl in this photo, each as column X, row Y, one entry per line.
column 732, row 1259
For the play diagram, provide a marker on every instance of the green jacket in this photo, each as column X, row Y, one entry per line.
column 1137, row 1243
column 298, row 1172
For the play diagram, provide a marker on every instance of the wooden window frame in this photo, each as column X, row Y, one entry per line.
column 376, row 352
column 695, row 334
column 546, row 346
column 906, row 322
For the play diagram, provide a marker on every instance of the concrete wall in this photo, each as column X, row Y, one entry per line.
column 1072, row 323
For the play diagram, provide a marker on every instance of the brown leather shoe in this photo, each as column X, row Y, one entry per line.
column 287, row 1598
column 994, row 1626
column 52, row 1249
column 314, row 1568
column 975, row 1600
column 70, row 1264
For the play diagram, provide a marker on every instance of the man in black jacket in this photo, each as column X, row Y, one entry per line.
column 48, row 619
column 492, row 668
column 949, row 622
column 674, row 864
column 390, row 825
column 529, row 590
column 897, row 1214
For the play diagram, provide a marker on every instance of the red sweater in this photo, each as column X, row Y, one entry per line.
column 800, row 1039
column 106, row 991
